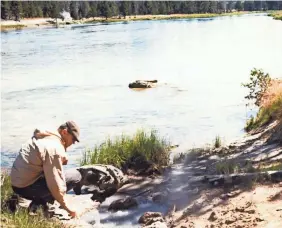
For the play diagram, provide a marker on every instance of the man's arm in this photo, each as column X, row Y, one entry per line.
column 54, row 175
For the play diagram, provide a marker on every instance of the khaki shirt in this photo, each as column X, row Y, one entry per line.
column 42, row 155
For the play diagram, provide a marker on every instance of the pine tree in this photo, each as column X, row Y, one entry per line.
column 55, row 10
column 124, row 8
column 16, row 9
column 105, row 10
column 93, row 9
column 213, row 7
column 5, row 10
column 84, row 9
column 239, row 6
column 204, row 7
column 74, row 10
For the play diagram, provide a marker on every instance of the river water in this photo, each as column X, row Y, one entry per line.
column 82, row 73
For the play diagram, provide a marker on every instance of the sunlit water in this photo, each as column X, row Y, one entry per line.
column 82, row 73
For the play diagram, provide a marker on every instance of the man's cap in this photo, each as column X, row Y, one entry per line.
column 73, row 129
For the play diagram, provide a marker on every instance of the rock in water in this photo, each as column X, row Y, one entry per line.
column 143, row 84
column 107, row 178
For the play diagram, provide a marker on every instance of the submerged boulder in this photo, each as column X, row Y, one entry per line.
column 143, row 84
column 104, row 179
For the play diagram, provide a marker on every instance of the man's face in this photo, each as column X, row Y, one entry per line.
column 68, row 138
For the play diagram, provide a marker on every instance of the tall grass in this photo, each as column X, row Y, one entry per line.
column 226, row 167
column 120, row 149
column 217, row 142
column 21, row 218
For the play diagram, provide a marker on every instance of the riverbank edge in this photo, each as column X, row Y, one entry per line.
column 49, row 22
column 277, row 15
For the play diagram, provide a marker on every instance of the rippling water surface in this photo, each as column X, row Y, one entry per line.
column 82, row 73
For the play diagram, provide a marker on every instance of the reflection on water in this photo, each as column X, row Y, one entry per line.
column 82, row 73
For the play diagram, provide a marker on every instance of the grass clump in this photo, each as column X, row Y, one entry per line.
column 226, row 167
column 272, row 167
column 21, row 218
column 217, row 142
column 6, row 188
column 121, row 149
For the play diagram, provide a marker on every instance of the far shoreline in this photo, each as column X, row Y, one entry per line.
column 50, row 22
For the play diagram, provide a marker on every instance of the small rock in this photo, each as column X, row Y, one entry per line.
column 259, row 220
column 230, row 221
column 154, row 220
column 240, row 209
column 123, row 204
column 224, row 197
column 212, row 217
column 159, row 197
column 248, row 204
column 156, row 225
column 214, row 157
column 148, row 216
column 250, row 211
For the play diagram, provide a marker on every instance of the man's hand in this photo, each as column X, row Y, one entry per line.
column 65, row 160
column 73, row 214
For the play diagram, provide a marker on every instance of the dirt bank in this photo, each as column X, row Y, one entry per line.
column 257, row 207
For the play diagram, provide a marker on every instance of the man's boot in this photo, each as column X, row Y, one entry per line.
column 33, row 206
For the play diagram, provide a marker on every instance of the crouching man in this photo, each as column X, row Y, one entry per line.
column 37, row 173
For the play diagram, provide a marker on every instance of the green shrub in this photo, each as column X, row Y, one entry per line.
column 259, row 82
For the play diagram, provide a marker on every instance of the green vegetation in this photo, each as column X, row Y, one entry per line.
column 217, row 142
column 6, row 189
column 21, row 218
column 277, row 15
column 272, row 167
column 85, row 9
column 259, row 83
column 267, row 94
column 226, row 167
column 118, row 151
column 265, row 115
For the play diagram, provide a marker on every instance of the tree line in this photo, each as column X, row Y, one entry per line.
column 17, row 10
